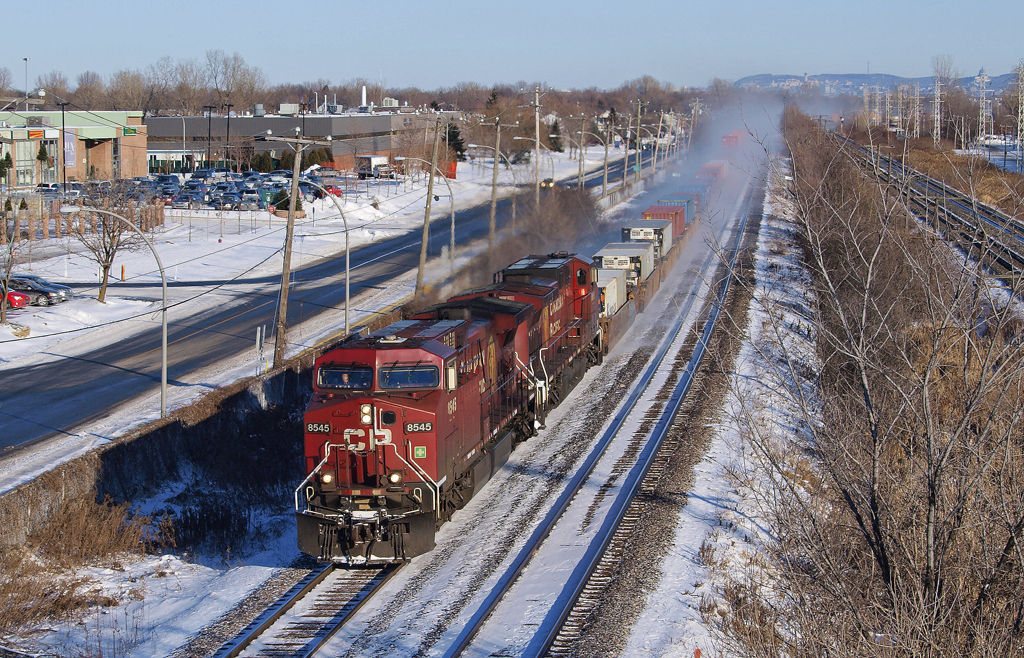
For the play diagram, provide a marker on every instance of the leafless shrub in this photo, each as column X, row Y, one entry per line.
column 897, row 513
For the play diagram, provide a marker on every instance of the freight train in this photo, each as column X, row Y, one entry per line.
column 406, row 424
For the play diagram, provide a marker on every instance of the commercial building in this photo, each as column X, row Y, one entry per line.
column 183, row 144
column 76, row 145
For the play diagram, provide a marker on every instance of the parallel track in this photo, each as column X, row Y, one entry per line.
column 309, row 614
column 983, row 230
column 592, row 572
column 592, row 581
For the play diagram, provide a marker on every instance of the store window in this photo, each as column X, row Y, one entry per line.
column 48, row 168
column 25, row 163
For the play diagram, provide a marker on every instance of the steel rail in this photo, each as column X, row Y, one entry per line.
column 560, row 612
column 561, row 504
column 317, row 636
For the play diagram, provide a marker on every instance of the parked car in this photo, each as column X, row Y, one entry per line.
column 13, row 298
column 334, row 189
column 39, row 294
column 227, row 201
column 250, row 202
column 188, row 201
column 65, row 291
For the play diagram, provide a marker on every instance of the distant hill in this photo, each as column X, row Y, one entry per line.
column 852, row 83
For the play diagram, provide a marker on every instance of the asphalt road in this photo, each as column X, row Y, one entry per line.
column 48, row 399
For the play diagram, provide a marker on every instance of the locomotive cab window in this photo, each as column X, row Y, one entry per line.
column 345, row 377
column 581, row 277
column 399, row 377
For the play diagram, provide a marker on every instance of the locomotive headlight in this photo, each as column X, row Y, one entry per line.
column 366, row 414
column 395, row 478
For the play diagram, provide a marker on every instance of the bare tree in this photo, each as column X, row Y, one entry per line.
column 233, row 80
column 9, row 259
column 189, row 86
column 106, row 236
column 127, row 90
column 898, row 513
column 56, row 84
column 5, row 79
column 90, row 92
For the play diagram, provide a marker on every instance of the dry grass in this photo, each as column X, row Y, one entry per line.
column 37, row 577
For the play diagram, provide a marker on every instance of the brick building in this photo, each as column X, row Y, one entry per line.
column 79, row 145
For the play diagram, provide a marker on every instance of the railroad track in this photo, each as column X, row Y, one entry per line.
column 634, row 471
column 307, row 617
column 309, row 614
column 984, row 231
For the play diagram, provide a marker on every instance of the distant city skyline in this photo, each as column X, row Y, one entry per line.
column 569, row 44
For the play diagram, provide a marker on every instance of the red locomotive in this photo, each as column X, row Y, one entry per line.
column 406, row 424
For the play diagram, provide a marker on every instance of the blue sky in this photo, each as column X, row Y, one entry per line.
column 562, row 43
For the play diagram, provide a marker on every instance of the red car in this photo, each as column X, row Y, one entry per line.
column 16, row 299
column 335, row 190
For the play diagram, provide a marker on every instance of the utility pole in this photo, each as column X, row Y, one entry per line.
column 984, row 104
column 1020, row 112
column 607, row 137
column 579, row 147
column 625, row 152
column 227, row 139
column 426, row 212
column 937, row 112
column 536, row 122
column 492, row 227
column 639, row 104
column 209, row 130
column 657, row 140
column 281, row 327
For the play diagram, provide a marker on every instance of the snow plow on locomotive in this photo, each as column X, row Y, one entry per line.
column 407, row 424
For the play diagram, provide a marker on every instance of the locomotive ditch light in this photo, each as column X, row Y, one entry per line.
column 327, row 480
column 395, row 478
column 366, row 414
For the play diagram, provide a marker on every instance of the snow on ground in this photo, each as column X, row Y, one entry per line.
column 721, row 527
column 166, row 599
column 221, row 252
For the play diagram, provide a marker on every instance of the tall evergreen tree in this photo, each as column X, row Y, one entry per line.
column 454, row 139
column 556, row 137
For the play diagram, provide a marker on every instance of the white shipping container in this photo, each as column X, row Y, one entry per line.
column 658, row 231
column 612, row 284
column 639, row 254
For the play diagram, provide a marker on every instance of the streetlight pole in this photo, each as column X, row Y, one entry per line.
column 63, row 148
column 68, row 210
column 182, row 168
column 209, row 130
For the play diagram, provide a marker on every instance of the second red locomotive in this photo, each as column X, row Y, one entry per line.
column 405, row 425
